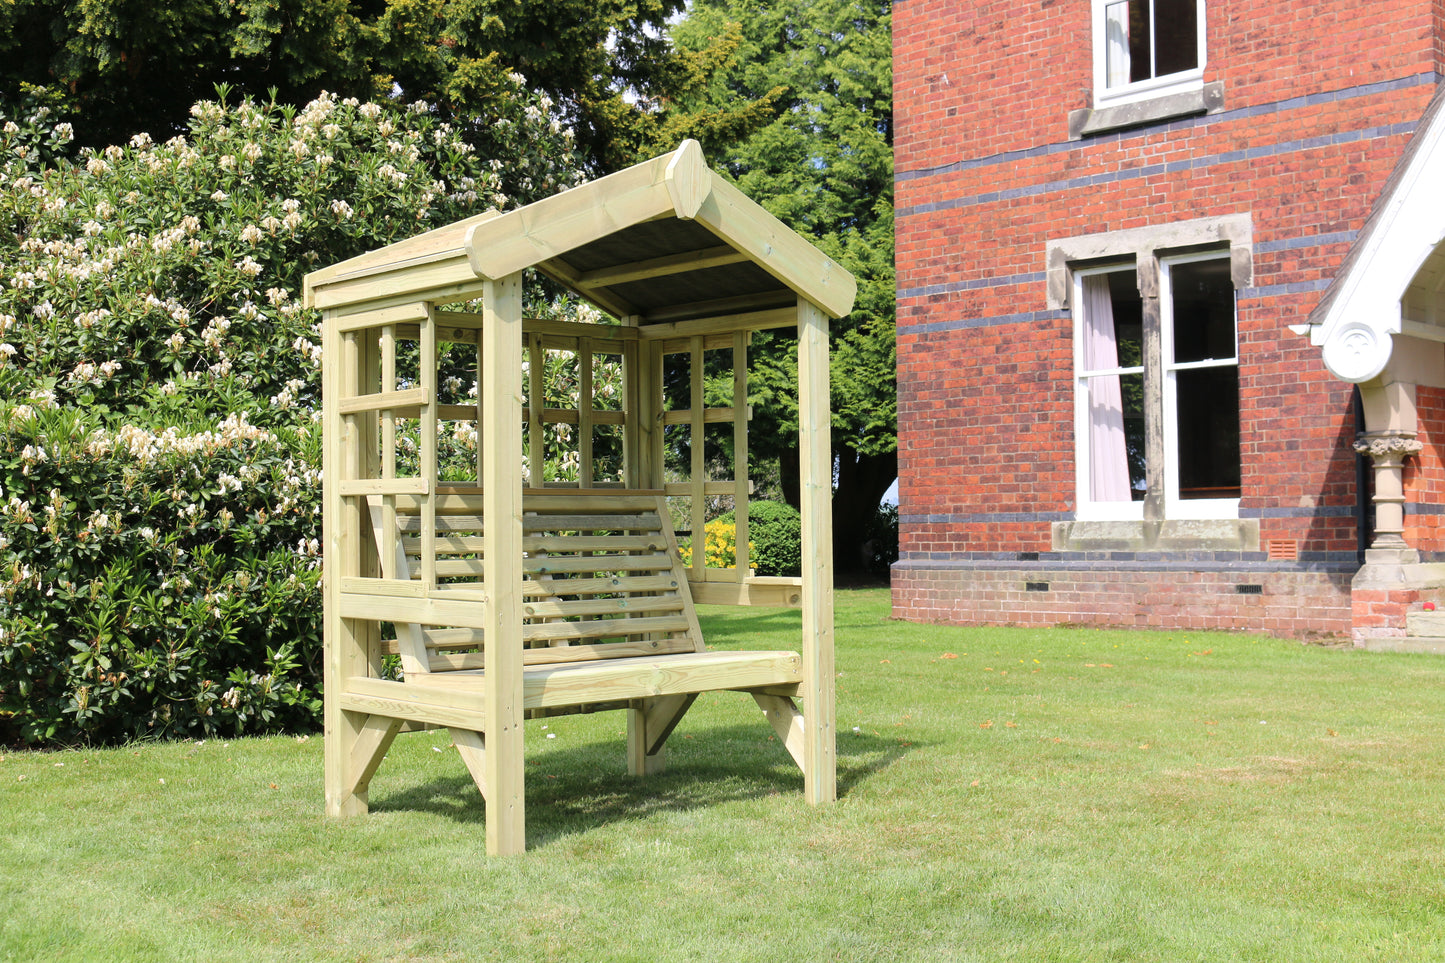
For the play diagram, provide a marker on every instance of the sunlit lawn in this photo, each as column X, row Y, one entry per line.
column 1006, row 795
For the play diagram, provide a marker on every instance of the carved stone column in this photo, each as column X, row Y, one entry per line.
column 1388, row 450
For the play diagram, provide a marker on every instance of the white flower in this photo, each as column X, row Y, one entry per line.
column 141, row 141
column 341, row 209
column 248, row 266
column 7, row 349
column 251, row 234
column 219, row 196
column 290, row 204
column 370, row 111
column 96, row 166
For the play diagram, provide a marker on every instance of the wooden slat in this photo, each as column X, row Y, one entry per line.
column 536, row 401
column 722, row 324
column 538, row 523
column 746, row 592
column 742, row 485
column 710, row 342
column 452, row 661
column 602, row 681
column 398, row 314
column 661, row 267
column 423, row 611
column 386, row 400
column 427, row 457
column 563, row 564
column 449, row 706
column 591, row 608
column 602, row 628
column 697, row 473
column 710, row 416
column 607, row 544
column 385, row 527
column 620, row 584
column 548, row 328
column 585, row 414
column 708, row 488
column 383, row 486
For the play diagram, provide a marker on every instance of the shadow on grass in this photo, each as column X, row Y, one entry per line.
column 573, row 790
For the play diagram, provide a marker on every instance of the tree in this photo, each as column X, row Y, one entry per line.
column 159, row 453
column 824, row 166
column 126, row 66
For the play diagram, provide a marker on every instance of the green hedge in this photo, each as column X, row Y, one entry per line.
column 775, row 534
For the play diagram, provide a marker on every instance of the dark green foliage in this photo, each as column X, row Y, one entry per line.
column 126, row 66
column 775, row 534
column 824, row 166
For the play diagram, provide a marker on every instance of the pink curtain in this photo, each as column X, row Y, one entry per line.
column 1108, row 458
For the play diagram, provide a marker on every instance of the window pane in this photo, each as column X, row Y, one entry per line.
column 1116, row 43
column 1176, row 36
column 1208, row 432
column 1140, row 61
column 1203, row 302
column 1113, row 431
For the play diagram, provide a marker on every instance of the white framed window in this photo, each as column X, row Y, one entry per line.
column 1191, row 461
column 1147, row 48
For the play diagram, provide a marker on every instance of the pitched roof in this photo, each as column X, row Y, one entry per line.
column 663, row 241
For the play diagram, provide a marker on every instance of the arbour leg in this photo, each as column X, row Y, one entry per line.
column 820, row 779
column 649, row 723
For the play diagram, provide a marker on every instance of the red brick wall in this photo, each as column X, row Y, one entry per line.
column 1319, row 101
column 1425, row 477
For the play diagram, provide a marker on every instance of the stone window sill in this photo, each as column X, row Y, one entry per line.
column 1209, row 99
column 1221, row 535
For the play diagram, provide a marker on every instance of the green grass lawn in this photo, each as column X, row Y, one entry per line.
column 1007, row 794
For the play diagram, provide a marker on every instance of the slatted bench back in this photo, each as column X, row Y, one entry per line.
column 601, row 579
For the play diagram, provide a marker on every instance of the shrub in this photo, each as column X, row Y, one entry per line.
column 775, row 538
column 880, row 540
column 159, row 454
column 720, row 541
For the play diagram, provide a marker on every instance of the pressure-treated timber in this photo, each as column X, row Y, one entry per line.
column 815, row 491
column 507, row 601
column 501, row 430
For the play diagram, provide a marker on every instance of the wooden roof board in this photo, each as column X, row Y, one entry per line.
column 729, row 281
column 670, row 205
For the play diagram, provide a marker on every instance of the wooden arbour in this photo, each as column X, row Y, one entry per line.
column 510, row 595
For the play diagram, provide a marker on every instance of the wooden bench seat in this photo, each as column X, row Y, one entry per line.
column 608, row 623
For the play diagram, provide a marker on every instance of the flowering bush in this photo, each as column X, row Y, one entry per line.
column 720, row 545
column 159, row 393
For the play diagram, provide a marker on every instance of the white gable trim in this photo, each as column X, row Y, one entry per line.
column 1354, row 332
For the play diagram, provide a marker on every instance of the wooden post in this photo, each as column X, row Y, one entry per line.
column 742, row 489
column 502, row 540
column 697, row 471
column 816, row 495
column 344, row 653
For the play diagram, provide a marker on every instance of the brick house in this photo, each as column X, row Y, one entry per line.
column 1169, row 350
